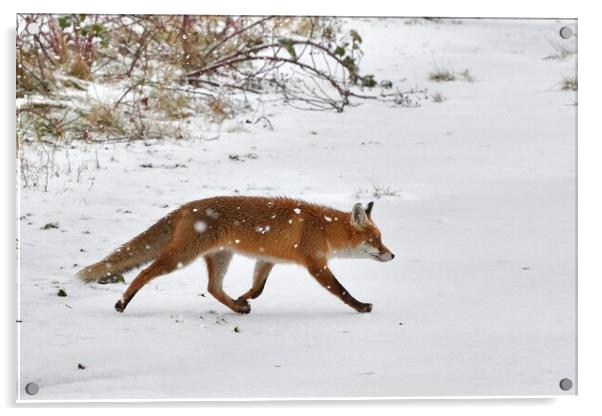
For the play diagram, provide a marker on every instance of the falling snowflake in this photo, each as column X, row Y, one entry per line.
column 262, row 230
column 327, row 218
column 211, row 213
column 200, row 227
column 297, row 211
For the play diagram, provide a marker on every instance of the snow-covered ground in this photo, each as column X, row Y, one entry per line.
column 480, row 299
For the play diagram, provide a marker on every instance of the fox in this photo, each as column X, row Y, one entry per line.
column 269, row 229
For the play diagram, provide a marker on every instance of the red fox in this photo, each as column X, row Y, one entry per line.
column 272, row 230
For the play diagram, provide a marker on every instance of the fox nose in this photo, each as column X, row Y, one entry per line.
column 392, row 256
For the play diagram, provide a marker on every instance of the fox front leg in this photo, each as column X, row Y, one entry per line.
column 320, row 271
column 260, row 276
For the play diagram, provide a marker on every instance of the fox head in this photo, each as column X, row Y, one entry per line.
column 365, row 236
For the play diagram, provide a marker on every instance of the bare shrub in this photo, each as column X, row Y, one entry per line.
column 179, row 66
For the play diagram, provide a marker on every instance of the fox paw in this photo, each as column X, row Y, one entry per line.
column 242, row 306
column 120, row 305
column 365, row 308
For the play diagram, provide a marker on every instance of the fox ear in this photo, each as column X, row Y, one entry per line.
column 358, row 216
column 369, row 209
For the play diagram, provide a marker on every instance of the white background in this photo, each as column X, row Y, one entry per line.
column 589, row 196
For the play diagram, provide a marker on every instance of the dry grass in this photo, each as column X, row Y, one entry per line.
column 438, row 97
column 466, row 76
column 377, row 191
column 172, row 104
column 442, row 75
column 448, row 75
column 569, row 83
column 562, row 50
column 103, row 117
column 79, row 68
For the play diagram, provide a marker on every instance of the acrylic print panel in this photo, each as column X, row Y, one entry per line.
column 461, row 131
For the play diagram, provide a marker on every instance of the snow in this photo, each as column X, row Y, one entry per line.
column 479, row 300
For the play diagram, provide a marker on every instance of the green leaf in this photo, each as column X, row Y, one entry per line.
column 349, row 63
column 288, row 45
column 355, row 36
column 339, row 51
column 97, row 28
column 368, row 81
column 64, row 22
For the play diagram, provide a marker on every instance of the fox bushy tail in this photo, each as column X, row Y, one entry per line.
column 136, row 252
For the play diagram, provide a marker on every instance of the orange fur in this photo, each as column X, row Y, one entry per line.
column 270, row 229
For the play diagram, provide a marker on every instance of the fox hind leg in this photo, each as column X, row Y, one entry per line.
column 176, row 254
column 217, row 266
column 260, row 276
column 165, row 263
